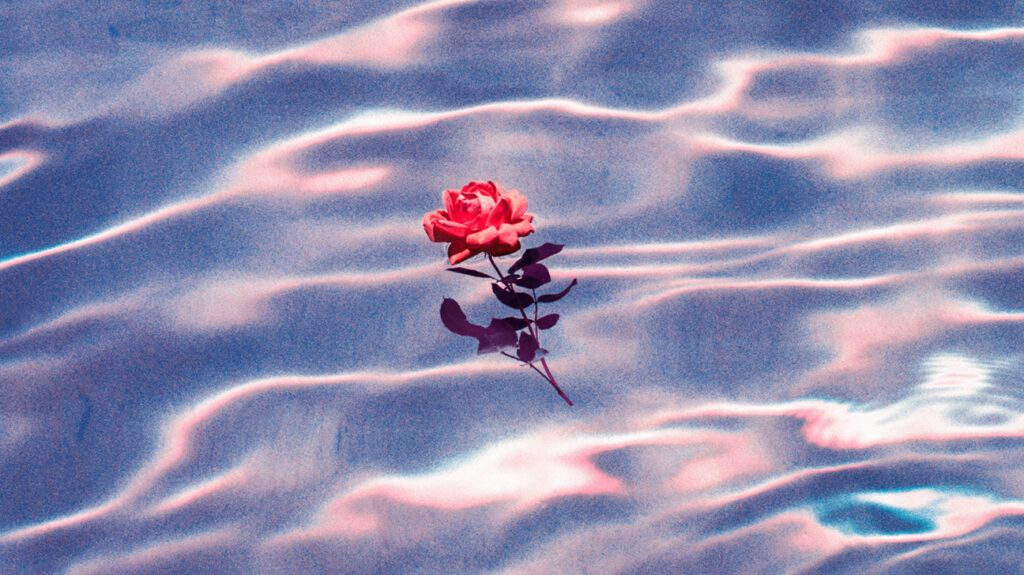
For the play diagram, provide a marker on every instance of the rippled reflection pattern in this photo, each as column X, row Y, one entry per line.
column 795, row 346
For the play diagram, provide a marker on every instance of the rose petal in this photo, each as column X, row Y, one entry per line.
column 507, row 236
column 524, row 228
column 429, row 220
column 518, row 203
column 440, row 229
column 487, row 204
column 467, row 209
column 450, row 199
column 480, row 221
column 488, row 189
column 482, row 239
column 457, row 252
column 501, row 250
column 500, row 214
column 447, row 230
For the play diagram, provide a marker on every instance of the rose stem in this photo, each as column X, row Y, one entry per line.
column 533, row 331
column 543, row 360
column 535, row 306
column 529, row 365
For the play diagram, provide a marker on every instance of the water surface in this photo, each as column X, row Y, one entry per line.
column 794, row 347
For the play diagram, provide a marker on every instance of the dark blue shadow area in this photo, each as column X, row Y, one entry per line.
column 993, row 552
column 794, row 84
column 746, row 192
column 771, row 131
column 734, row 555
column 557, row 518
column 992, row 340
column 626, row 464
column 104, row 172
column 960, row 92
column 22, row 134
column 1001, row 289
column 664, row 58
column 869, row 259
column 165, row 256
column 39, row 27
column 957, row 13
column 984, row 175
column 400, row 432
column 734, row 342
column 101, row 429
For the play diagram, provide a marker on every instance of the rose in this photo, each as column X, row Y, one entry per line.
column 483, row 218
column 479, row 218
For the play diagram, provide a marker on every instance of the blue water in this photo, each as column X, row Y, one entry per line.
column 794, row 346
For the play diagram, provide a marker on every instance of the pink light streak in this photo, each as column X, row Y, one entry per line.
column 393, row 42
column 649, row 249
column 590, row 13
column 403, row 39
column 154, row 554
column 881, row 46
column 929, row 414
column 227, row 481
column 857, row 335
column 522, row 472
column 874, row 47
column 937, row 546
column 85, row 313
column 264, row 173
column 178, row 433
column 703, row 285
column 68, row 521
column 900, row 232
column 168, row 212
column 228, row 302
column 975, row 198
column 849, row 156
column 25, row 161
column 514, row 475
column 731, row 457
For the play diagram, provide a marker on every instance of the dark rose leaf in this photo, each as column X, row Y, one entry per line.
column 455, row 320
column 469, row 272
column 534, row 276
column 527, row 347
column 500, row 334
column 516, row 300
column 534, row 255
column 548, row 321
column 497, row 336
column 517, row 323
column 556, row 296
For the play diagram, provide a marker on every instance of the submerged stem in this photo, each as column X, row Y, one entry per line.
column 534, row 331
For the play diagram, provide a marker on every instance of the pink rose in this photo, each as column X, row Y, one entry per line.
column 479, row 218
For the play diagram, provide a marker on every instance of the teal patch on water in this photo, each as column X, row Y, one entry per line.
column 857, row 516
column 897, row 512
